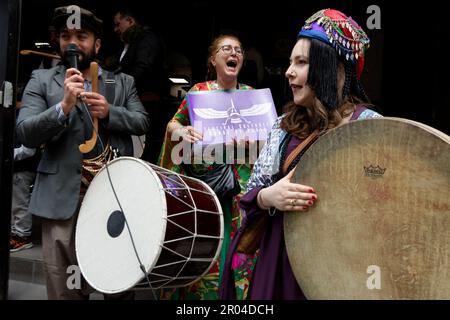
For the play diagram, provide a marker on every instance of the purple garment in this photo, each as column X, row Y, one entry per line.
column 273, row 277
column 270, row 281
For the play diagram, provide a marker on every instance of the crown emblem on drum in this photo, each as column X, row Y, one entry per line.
column 374, row 172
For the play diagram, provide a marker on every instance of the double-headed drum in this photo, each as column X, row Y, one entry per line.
column 381, row 226
column 171, row 223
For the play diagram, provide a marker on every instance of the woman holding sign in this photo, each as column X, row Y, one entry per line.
column 325, row 66
column 224, row 63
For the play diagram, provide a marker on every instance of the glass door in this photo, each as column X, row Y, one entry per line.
column 9, row 43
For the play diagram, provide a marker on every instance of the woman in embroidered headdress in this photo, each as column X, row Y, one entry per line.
column 224, row 63
column 325, row 66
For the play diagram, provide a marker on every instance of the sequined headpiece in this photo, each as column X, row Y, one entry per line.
column 341, row 32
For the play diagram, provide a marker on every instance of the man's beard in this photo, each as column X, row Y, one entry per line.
column 84, row 61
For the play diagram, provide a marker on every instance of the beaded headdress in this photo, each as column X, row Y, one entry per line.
column 341, row 32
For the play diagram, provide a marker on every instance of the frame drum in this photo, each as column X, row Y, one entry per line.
column 381, row 226
column 175, row 223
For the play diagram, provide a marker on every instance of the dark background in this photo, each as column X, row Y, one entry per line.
column 9, row 22
column 406, row 66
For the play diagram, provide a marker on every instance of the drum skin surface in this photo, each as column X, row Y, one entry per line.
column 380, row 228
column 176, row 225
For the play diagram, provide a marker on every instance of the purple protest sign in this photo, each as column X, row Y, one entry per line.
column 235, row 114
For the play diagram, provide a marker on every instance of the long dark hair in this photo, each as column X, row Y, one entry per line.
column 337, row 92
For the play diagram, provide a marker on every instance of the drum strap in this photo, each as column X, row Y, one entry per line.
column 110, row 87
column 250, row 240
column 306, row 142
column 92, row 166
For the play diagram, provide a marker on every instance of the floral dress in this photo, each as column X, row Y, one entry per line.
column 243, row 265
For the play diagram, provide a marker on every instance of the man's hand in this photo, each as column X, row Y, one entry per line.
column 98, row 106
column 73, row 87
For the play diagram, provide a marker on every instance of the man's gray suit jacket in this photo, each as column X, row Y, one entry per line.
column 57, row 186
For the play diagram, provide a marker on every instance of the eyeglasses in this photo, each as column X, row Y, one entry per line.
column 228, row 49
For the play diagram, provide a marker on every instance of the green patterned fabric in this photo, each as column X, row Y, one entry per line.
column 207, row 287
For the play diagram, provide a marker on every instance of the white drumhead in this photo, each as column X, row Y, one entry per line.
column 107, row 259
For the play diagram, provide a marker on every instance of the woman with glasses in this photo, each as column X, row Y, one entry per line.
column 325, row 67
column 225, row 58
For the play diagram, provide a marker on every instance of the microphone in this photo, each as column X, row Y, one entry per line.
column 72, row 55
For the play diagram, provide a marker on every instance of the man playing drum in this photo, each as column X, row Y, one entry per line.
column 54, row 113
